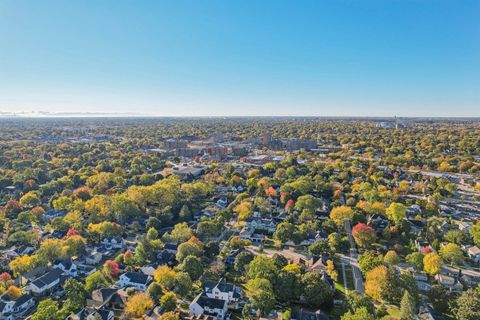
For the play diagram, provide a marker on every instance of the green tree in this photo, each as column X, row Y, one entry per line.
column 438, row 296
column 475, row 232
column 242, row 260
column 75, row 295
column 181, row 232
column 452, row 252
column 94, row 281
column 396, row 212
column 288, row 286
column 368, row 261
column 320, row 247
column 183, row 283
column 456, row 236
column 416, row 259
column 260, row 292
column 467, row 306
column 315, row 291
column 262, row 267
column 407, row 306
column 391, row 258
column 47, row 310
column 308, row 202
column 284, row 232
column 193, row 266
column 356, row 301
column 358, row 314
column 185, row 213
column 188, row 249
column 169, row 301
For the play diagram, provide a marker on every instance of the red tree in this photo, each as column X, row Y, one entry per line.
column 363, row 235
column 271, row 192
column 111, row 268
column 289, row 206
column 284, row 196
column 426, row 250
column 71, row 232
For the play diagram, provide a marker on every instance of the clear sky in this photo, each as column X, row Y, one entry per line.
column 242, row 57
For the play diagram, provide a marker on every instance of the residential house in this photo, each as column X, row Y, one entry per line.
column 90, row 313
column 230, row 259
column 67, row 266
column 137, row 280
column 93, row 258
column 464, row 225
column 113, row 243
column 473, row 252
column 100, row 314
column 449, row 282
column 421, row 278
column 223, row 290
column 421, row 244
column 166, row 257
column 302, row 314
column 424, row 313
column 15, row 309
column 47, row 282
column 32, row 275
column 171, row 247
column 378, row 222
column 318, row 264
column 222, row 202
column 110, row 299
column 203, row 305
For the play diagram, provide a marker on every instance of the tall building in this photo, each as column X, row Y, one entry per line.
column 266, row 138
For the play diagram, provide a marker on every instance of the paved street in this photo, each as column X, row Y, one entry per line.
column 351, row 259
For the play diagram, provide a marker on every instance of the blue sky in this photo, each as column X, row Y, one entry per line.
column 242, row 57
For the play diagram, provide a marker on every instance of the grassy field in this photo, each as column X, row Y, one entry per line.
column 349, row 277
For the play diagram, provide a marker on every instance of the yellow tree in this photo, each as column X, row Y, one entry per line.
column 170, row 315
column 340, row 214
column 23, row 264
column 432, row 263
column 137, row 305
column 330, row 269
column 376, row 280
column 165, row 276
column 244, row 210
column 396, row 212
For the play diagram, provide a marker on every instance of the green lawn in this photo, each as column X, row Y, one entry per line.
column 350, row 283
column 393, row 313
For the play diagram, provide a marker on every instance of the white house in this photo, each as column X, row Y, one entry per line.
column 222, row 290
column 222, row 203
column 67, row 266
column 45, row 283
column 137, row 280
column 14, row 309
column 113, row 242
column 93, row 258
column 473, row 253
column 464, row 225
column 203, row 305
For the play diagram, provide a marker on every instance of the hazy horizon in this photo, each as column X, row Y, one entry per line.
column 214, row 58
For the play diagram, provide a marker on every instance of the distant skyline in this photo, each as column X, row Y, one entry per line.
column 241, row 58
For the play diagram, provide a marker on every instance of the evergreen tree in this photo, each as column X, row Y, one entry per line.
column 407, row 306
